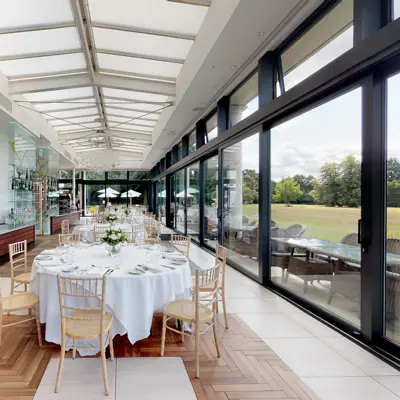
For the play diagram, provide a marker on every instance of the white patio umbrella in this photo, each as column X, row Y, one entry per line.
column 108, row 191
column 131, row 193
column 181, row 195
column 192, row 190
column 163, row 194
column 109, row 196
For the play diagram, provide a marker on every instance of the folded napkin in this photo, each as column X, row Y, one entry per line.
column 43, row 257
column 51, row 252
column 50, row 263
column 98, row 270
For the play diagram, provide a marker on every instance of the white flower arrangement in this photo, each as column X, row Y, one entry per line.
column 113, row 237
column 111, row 218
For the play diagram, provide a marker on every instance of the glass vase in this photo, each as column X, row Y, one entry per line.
column 113, row 249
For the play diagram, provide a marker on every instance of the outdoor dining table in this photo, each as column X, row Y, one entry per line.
column 132, row 299
column 341, row 251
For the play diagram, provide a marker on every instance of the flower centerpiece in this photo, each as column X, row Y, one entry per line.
column 113, row 239
column 112, row 219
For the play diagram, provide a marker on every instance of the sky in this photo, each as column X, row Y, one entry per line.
column 327, row 133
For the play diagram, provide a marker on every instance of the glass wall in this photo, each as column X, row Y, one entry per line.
column 192, row 200
column 211, row 128
column 324, row 42
column 94, row 176
column 180, row 201
column 138, row 175
column 393, row 211
column 93, row 196
column 192, row 142
column 117, row 175
column 240, row 172
column 137, row 194
column 396, row 9
column 172, row 217
column 211, row 201
column 244, row 101
column 161, row 199
column 316, row 200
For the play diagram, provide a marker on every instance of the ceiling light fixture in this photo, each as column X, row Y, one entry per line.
column 261, row 33
column 233, row 66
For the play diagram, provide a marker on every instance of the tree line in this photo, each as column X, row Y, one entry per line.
column 339, row 185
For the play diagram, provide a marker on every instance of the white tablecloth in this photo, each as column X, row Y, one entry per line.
column 87, row 231
column 132, row 299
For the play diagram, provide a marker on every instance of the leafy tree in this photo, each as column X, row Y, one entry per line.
column 305, row 182
column 247, row 193
column 286, row 191
column 350, row 183
column 393, row 169
column 330, row 193
column 273, row 186
column 393, row 193
column 317, row 193
column 250, row 178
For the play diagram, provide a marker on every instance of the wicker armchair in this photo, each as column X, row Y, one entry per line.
column 296, row 231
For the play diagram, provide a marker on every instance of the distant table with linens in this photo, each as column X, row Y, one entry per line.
column 132, row 299
column 87, row 231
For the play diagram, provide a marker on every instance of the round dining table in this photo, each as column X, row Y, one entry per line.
column 132, row 299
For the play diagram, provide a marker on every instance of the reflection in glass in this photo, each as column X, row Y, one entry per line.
column 92, row 196
column 240, row 169
column 192, row 200
column 137, row 194
column 94, row 176
column 244, row 101
column 161, row 199
column 316, row 200
column 139, row 175
column 192, row 142
column 117, row 195
column 324, row 42
column 180, row 201
column 396, row 9
column 392, row 212
column 173, row 202
column 211, row 201
column 211, row 128
column 117, row 175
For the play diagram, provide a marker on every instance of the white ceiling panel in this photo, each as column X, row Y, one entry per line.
column 72, row 127
column 60, row 94
column 142, row 106
column 56, row 106
column 16, row 13
column 131, row 114
column 39, row 41
column 73, row 113
column 43, row 65
column 80, row 120
column 138, row 43
column 138, row 65
column 160, row 15
column 113, row 119
column 135, row 128
column 131, row 95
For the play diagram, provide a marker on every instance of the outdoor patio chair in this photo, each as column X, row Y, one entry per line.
column 296, row 231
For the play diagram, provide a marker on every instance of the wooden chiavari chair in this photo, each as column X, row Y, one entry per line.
column 99, row 231
column 220, row 257
column 64, row 227
column 200, row 310
column 69, row 238
column 153, row 233
column 19, row 302
column 84, row 323
column 181, row 243
column 19, row 259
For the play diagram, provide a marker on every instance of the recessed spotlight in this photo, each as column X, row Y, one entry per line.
column 261, row 33
column 233, row 66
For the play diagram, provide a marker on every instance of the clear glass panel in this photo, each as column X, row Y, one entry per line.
column 324, row 42
column 93, row 175
column 139, row 175
column 179, row 151
column 43, row 65
column 173, row 202
column 180, row 201
column 192, row 142
column 132, row 105
column 316, row 205
column 192, row 200
column 396, row 9
column 79, row 126
column 392, row 211
column 60, row 94
column 130, row 94
column 131, row 121
column 68, row 114
column 121, row 112
column 65, row 174
column 39, row 41
column 91, row 198
column 80, row 120
column 240, row 171
column 161, row 199
column 211, row 128
column 244, row 101
column 117, row 175
column 116, row 195
column 211, row 201
column 137, row 194
column 151, row 14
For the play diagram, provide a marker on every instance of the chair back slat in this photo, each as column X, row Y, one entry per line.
column 99, row 231
column 181, row 243
column 64, row 227
column 69, row 238
column 206, row 278
column 220, row 257
column 18, row 256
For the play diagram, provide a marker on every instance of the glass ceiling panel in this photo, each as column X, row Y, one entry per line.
column 139, row 65
column 138, row 43
column 115, row 119
column 43, row 65
column 56, row 106
column 80, row 120
column 142, row 106
column 89, row 125
column 73, row 113
column 135, row 128
column 159, row 15
column 60, row 94
column 39, row 41
column 129, row 94
column 22, row 12
column 131, row 114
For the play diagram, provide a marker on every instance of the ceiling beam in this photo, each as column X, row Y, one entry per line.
column 67, row 109
column 115, row 107
column 143, row 137
column 39, row 27
column 137, row 75
column 144, row 31
column 47, row 74
column 142, row 56
column 132, row 122
column 203, row 3
column 124, row 100
column 130, row 118
column 39, row 54
column 72, row 117
column 99, row 80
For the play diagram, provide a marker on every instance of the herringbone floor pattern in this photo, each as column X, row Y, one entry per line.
column 247, row 369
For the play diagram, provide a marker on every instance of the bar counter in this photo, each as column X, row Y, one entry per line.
column 55, row 221
column 10, row 234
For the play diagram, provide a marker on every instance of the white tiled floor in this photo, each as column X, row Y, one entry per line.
column 331, row 365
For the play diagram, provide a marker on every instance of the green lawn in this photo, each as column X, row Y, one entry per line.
column 322, row 222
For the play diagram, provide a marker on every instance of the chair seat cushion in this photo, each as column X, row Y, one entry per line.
column 19, row 301
column 185, row 310
column 23, row 278
column 87, row 324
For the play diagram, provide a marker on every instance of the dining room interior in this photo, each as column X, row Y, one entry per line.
column 200, row 199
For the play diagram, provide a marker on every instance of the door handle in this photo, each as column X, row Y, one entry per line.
column 359, row 239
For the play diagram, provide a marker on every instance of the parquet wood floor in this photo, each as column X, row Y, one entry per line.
column 247, row 369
